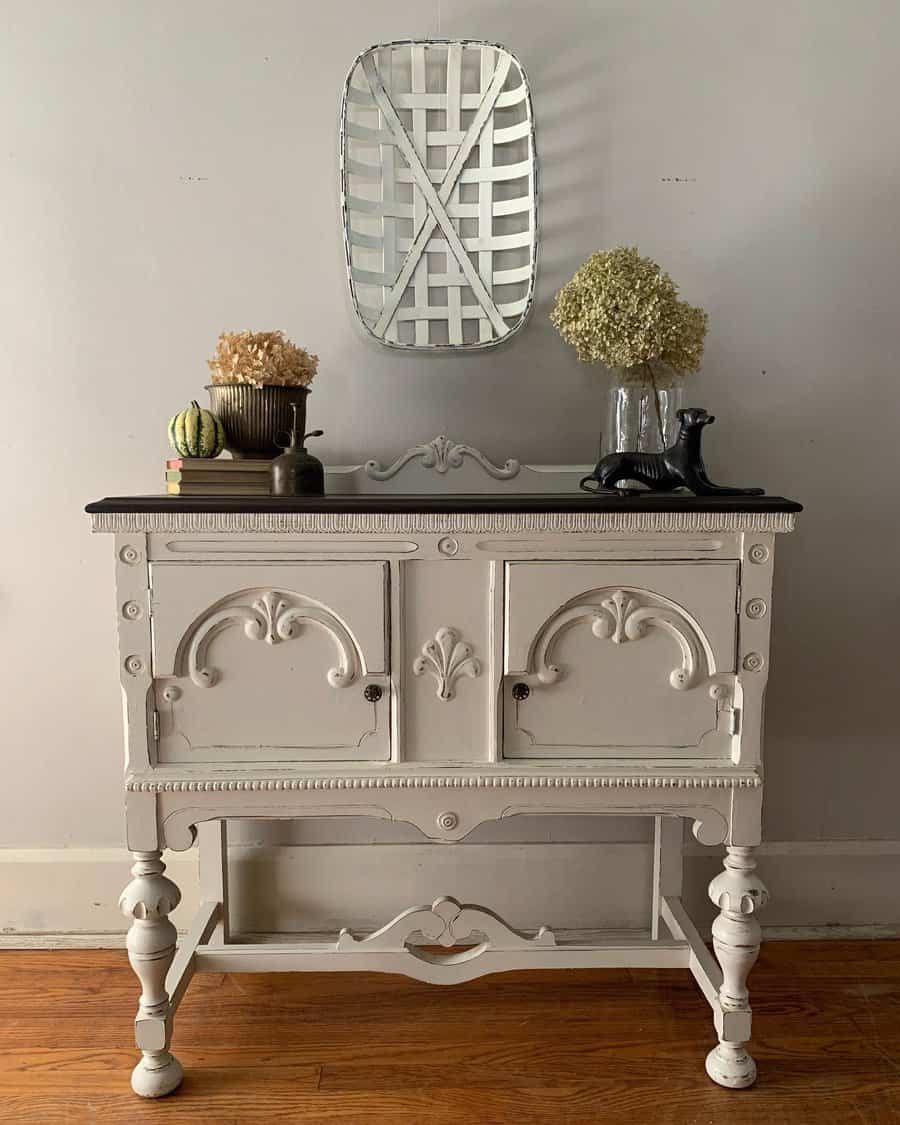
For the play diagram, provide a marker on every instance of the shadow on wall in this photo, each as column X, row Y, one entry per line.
column 505, row 388
column 792, row 255
column 796, row 258
column 802, row 395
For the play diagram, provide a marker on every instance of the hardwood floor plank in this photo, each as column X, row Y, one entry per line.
column 614, row 1047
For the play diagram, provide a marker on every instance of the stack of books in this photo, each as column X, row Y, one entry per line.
column 219, row 476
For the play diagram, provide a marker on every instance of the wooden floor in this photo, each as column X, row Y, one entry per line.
column 600, row 1046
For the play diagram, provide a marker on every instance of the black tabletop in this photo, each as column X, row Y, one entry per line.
column 448, row 503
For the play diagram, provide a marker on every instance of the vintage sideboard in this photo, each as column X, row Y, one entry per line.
column 443, row 660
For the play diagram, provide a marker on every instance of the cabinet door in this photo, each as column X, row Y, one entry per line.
column 271, row 662
column 619, row 660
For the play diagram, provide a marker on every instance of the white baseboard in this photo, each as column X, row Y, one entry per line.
column 68, row 897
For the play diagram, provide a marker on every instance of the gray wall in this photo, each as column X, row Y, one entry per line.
column 170, row 169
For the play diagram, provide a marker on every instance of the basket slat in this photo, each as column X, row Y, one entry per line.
column 438, row 193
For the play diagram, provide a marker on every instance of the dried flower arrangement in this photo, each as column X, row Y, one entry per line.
column 261, row 359
column 624, row 310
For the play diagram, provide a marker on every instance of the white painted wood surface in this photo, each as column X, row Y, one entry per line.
column 740, row 894
column 212, row 841
column 447, row 635
column 148, row 900
column 261, row 662
column 446, row 616
column 635, row 659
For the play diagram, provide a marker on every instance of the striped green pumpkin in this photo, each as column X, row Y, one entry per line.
column 196, row 433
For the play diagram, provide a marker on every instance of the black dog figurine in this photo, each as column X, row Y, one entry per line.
column 679, row 466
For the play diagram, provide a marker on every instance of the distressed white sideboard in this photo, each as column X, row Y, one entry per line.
column 443, row 660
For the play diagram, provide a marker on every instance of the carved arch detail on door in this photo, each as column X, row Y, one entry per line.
column 272, row 616
column 622, row 614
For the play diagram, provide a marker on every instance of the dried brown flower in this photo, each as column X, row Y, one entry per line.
column 261, row 359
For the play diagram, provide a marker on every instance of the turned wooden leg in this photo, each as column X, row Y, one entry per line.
column 739, row 894
column 147, row 901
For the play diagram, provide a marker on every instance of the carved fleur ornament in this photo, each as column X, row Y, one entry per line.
column 446, row 658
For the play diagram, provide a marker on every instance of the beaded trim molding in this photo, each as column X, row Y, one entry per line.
column 471, row 523
column 751, row 781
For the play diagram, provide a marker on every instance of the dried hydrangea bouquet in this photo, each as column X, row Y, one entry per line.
column 256, row 377
column 623, row 310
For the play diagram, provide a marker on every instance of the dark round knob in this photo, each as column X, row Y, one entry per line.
column 520, row 692
column 373, row 693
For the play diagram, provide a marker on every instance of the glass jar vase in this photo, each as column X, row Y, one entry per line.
column 642, row 415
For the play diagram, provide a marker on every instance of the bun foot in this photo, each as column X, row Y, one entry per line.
column 730, row 1065
column 157, row 1074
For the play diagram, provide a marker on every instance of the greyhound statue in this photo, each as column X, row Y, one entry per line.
column 679, row 466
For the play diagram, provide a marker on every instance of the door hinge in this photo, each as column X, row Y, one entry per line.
column 154, row 722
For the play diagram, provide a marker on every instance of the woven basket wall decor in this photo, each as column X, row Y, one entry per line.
column 439, row 193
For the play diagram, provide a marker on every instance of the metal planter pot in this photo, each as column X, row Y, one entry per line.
column 254, row 416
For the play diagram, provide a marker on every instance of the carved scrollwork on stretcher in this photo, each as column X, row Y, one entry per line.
column 446, row 923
